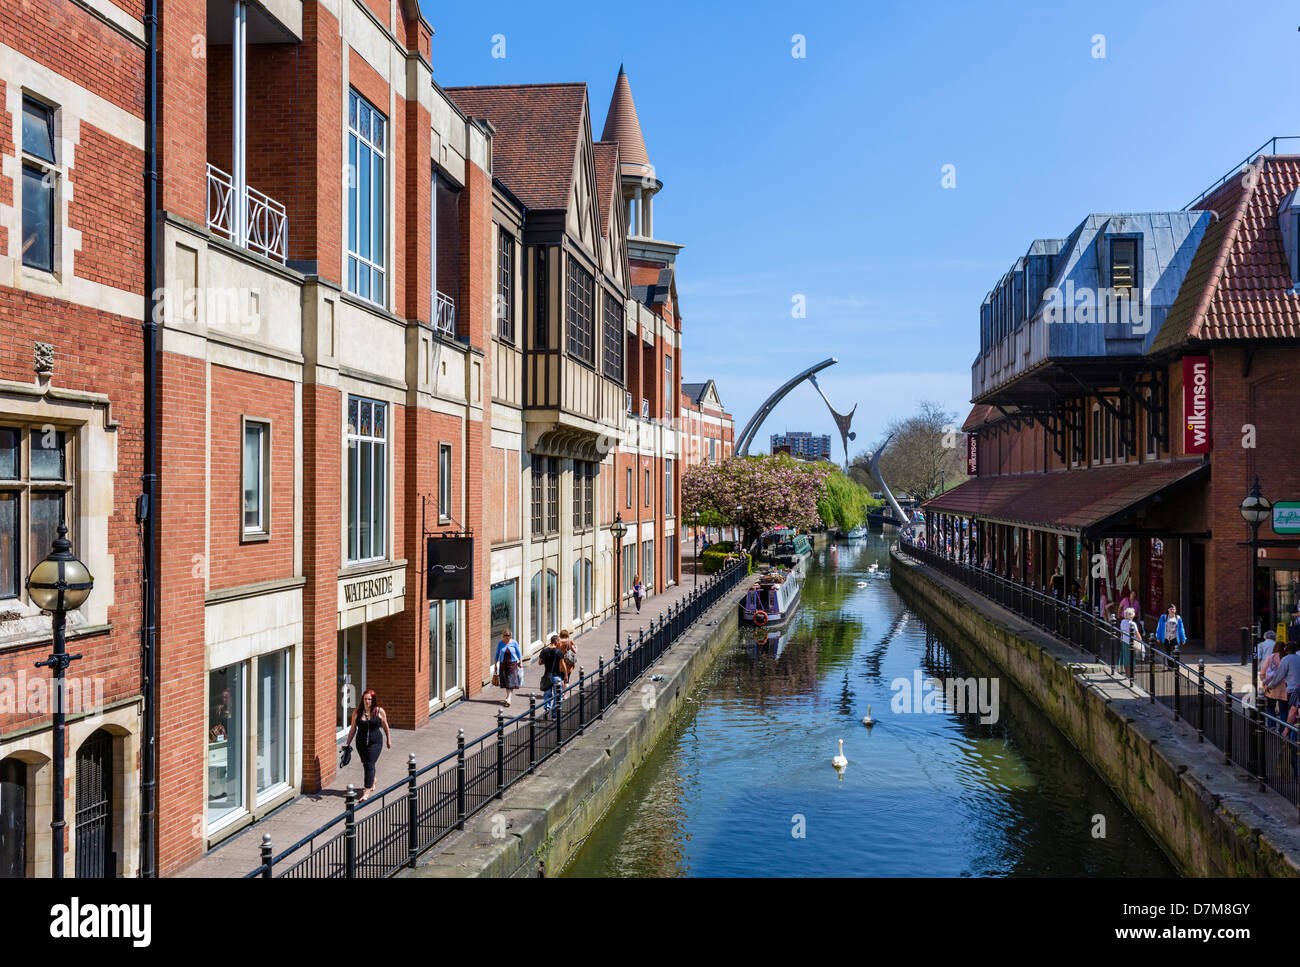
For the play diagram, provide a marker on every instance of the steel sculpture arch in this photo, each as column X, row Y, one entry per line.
column 755, row 421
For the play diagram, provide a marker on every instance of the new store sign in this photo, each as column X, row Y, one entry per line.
column 451, row 568
column 1286, row 517
column 1196, row 404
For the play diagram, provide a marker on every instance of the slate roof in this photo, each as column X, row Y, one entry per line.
column 652, row 286
column 538, row 127
column 1239, row 285
column 1072, row 500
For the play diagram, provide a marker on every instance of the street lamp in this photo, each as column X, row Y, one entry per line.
column 618, row 530
column 59, row 584
column 1255, row 509
column 695, row 522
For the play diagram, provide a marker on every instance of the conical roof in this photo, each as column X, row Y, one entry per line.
column 622, row 125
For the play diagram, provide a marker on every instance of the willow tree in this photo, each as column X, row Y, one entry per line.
column 756, row 493
column 844, row 503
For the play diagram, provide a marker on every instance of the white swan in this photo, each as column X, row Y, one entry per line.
column 862, row 584
column 839, row 762
column 874, row 567
column 867, row 720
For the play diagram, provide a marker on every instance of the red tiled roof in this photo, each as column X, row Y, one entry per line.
column 1073, row 500
column 1239, row 285
column 537, row 131
column 979, row 415
column 606, row 176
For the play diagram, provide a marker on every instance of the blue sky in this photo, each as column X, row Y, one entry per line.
column 821, row 176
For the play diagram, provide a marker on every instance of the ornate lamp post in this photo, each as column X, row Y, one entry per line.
column 59, row 584
column 1255, row 509
column 618, row 530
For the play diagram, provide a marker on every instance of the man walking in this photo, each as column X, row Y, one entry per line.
column 552, row 676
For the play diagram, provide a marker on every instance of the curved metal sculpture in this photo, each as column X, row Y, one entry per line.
column 755, row 421
column 842, row 421
column 889, row 494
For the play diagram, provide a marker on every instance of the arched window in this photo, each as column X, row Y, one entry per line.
column 535, row 607
column 13, row 818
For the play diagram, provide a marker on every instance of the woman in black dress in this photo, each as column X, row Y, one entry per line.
column 370, row 726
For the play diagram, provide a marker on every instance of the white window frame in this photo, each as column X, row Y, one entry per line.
column 51, row 171
column 357, row 143
column 444, row 482
column 263, row 527
column 379, row 521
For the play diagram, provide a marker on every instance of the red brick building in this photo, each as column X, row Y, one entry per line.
column 72, row 137
column 1134, row 379
column 325, row 397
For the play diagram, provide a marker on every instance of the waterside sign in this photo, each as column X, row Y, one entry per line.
column 374, row 592
column 1196, row 404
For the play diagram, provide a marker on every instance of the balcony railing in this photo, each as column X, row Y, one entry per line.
column 266, row 226
column 444, row 313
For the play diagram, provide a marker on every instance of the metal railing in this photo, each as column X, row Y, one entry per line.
column 266, row 226
column 395, row 825
column 1268, row 147
column 444, row 316
column 1262, row 744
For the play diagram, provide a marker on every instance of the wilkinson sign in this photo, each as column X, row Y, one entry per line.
column 972, row 455
column 1196, row 404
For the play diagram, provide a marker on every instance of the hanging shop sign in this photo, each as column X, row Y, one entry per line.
column 972, row 455
column 1286, row 517
column 1196, row 404
column 451, row 568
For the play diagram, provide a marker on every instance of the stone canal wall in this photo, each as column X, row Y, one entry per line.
column 1208, row 816
column 545, row 818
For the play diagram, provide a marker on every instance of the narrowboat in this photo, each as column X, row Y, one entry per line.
column 773, row 597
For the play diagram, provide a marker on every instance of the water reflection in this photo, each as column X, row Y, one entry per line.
column 940, row 793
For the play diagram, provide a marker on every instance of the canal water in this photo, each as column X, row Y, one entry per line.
column 744, row 785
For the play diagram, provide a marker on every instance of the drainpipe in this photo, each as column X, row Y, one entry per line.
column 146, row 507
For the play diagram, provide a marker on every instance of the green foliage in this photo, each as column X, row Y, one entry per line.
column 844, row 503
column 715, row 558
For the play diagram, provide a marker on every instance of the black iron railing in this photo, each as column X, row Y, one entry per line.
column 394, row 826
column 1262, row 744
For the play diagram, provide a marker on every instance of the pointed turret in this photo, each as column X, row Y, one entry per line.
column 622, row 125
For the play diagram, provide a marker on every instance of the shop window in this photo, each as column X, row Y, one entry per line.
column 503, row 609
column 272, row 721
column 552, row 601
column 535, row 607
column 577, row 592
column 226, row 738
column 367, row 505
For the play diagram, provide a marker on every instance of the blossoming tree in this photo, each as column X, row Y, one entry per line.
column 756, row 493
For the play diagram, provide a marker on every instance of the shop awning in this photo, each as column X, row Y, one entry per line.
column 1069, row 500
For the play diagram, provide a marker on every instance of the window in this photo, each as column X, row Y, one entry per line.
column 35, row 496
column 1123, row 263
column 584, row 493
column 40, row 176
column 648, row 565
column 579, row 471
column 541, row 338
column 444, row 650
column 257, row 477
column 226, row 740
column 535, row 607
column 444, row 481
column 272, row 720
column 581, row 313
column 668, row 488
column 552, row 600
column 365, row 189
column 552, row 495
column 647, row 488
column 668, row 386
column 613, row 349
column 1149, row 420
column 505, row 285
column 589, row 494
column 629, row 568
column 1096, row 433
column 670, row 562
column 586, row 585
column 503, row 610
column 367, row 479
column 629, row 486
column 538, row 505
column 577, row 592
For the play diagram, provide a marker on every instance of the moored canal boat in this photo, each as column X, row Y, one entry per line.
column 773, row 598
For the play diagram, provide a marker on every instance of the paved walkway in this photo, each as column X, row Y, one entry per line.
column 430, row 742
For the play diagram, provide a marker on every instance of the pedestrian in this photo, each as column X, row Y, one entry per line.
column 370, row 726
column 1058, row 585
column 1293, row 629
column 1288, row 672
column 1130, row 600
column 570, row 653
column 1075, row 598
column 1275, row 699
column 1130, row 635
column 638, row 592
column 551, row 659
column 1266, row 647
column 1169, row 629
column 510, row 665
